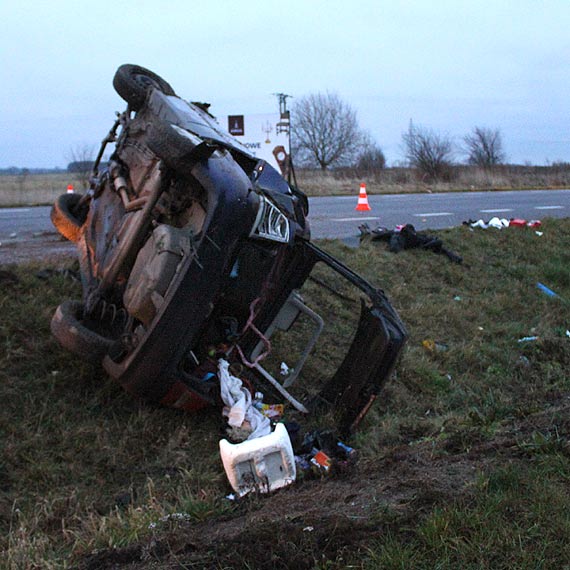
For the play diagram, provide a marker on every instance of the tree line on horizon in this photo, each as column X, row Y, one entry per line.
column 326, row 135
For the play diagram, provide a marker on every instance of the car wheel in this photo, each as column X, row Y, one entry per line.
column 133, row 82
column 68, row 217
column 68, row 328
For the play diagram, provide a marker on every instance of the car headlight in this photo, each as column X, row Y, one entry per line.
column 270, row 222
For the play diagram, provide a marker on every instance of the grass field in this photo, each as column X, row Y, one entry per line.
column 464, row 460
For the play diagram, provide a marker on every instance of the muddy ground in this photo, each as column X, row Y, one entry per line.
column 340, row 515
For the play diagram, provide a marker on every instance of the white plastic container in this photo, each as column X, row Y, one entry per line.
column 262, row 464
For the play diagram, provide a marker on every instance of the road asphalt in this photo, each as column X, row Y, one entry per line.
column 336, row 217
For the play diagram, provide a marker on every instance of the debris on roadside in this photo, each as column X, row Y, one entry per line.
column 434, row 346
column 406, row 237
column 548, row 291
column 321, row 453
column 500, row 223
column 262, row 464
column 274, row 412
column 239, row 408
column 528, row 339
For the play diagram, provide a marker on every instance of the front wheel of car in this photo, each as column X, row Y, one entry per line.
column 67, row 326
column 132, row 83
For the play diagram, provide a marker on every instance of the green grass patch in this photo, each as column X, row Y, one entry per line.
column 84, row 467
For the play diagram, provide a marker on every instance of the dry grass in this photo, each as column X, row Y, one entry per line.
column 42, row 189
column 33, row 189
column 405, row 180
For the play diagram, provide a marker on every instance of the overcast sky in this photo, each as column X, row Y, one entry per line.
column 448, row 65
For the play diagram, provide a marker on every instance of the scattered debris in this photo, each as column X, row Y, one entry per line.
column 240, row 411
column 500, row 223
column 528, row 339
column 177, row 517
column 321, row 460
column 321, row 453
column 262, row 464
column 272, row 411
column 434, row 346
column 546, row 290
column 406, row 237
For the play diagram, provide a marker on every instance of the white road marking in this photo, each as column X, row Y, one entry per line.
column 359, row 219
column 13, row 210
column 433, row 214
column 496, row 211
column 549, row 207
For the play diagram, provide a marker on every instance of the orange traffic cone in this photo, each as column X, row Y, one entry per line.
column 363, row 205
column 70, row 189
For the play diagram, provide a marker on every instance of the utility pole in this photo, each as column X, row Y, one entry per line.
column 284, row 126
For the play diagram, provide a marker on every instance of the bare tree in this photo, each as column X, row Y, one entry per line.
column 81, row 160
column 484, row 147
column 371, row 158
column 325, row 131
column 430, row 153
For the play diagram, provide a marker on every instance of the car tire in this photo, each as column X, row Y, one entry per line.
column 68, row 328
column 68, row 217
column 133, row 82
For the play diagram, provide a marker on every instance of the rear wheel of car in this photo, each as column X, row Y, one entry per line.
column 69, row 329
column 133, row 82
column 68, row 216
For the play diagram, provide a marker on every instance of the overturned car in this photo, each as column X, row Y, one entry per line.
column 191, row 249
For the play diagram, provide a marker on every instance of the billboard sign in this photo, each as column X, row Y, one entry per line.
column 266, row 136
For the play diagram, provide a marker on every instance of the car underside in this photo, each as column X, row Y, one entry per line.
column 191, row 249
